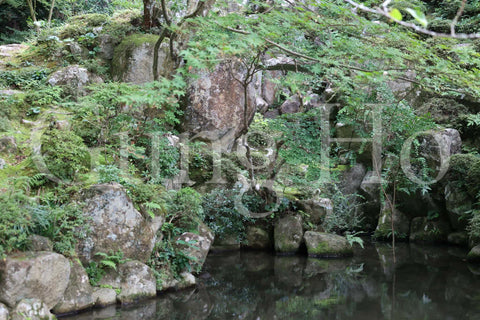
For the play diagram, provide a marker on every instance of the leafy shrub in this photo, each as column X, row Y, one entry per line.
column 109, row 173
column 96, row 270
column 64, row 154
column 60, row 223
column 15, row 222
column 464, row 172
column 221, row 214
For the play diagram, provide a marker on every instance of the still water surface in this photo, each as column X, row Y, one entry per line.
column 426, row 282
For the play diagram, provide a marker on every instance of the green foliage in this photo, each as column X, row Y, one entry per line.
column 64, row 154
column 222, row 216
column 15, row 222
column 109, row 173
column 96, row 270
column 353, row 238
column 345, row 214
column 61, row 224
column 464, row 173
column 27, row 78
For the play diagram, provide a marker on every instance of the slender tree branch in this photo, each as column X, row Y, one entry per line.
column 457, row 16
column 413, row 26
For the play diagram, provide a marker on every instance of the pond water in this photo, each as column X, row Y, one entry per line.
column 425, row 282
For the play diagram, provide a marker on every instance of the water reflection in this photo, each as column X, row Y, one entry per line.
column 417, row 282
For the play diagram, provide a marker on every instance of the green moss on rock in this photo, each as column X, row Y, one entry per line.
column 321, row 244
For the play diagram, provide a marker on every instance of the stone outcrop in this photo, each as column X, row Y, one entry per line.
column 288, row 234
column 133, row 59
column 104, row 296
column 79, row 293
column 317, row 209
column 34, row 275
column 73, row 79
column 134, row 279
column 327, row 245
column 217, row 104
column 31, row 309
column 115, row 225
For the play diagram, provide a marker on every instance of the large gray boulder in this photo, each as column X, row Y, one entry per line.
column 31, row 309
column 217, row 104
column 133, row 59
column 73, row 79
column 34, row 275
column 288, row 234
column 115, row 225
column 79, row 293
column 326, row 245
column 134, row 279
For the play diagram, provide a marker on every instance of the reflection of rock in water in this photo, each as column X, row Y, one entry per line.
column 289, row 270
column 386, row 257
column 257, row 262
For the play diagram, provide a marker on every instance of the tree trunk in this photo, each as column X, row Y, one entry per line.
column 149, row 15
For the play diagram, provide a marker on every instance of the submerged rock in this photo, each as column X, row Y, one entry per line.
column 79, row 293
column 288, row 234
column 328, row 245
column 35, row 275
column 31, row 309
column 115, row 225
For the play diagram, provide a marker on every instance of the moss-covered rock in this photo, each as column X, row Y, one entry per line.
column 133, row 59
column 328, row 245
column 288, row 234
column 257, row 238
column 424, row 230
column 474, row 254
column 458, row 238
column 401, row 224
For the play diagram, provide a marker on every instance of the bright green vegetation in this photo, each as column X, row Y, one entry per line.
column 352, row 61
